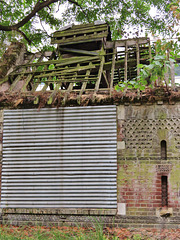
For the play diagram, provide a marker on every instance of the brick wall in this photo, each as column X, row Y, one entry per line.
column 141, row 129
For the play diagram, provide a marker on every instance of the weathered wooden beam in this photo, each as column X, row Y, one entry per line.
column 68, row 80
column 59, row 61
column 81, row 41
column 105, row 77
column 119, row 73
column 123, row 42
column 83, row 85
column 138, row 62
column 79, row 51
column 112, row 68
column 99, row 73
column 74, row 90
column 28, row 79
column 36, row 101
column 70, row 87
column 78, row 31
column 172, row 75
column 30, row 76
column 75, row 60
column 65, row 78
column 88, row 25
column 17, row 79
column 35, row 86
column 5, row 79
column 67, row 93
column 78, row 69
column 125, row 62
column 68, row 72
column 30, row 65
column 36, row 72
column 46, row 54
column 119, row 64
column 137, row 56
column 57, row 69
column 125, row 67
column 53, row 94
column 107, row 65
column 95, row 37
column 166, row 75
column 150, row 57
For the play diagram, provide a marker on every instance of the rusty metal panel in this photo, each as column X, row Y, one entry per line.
column 62, row 157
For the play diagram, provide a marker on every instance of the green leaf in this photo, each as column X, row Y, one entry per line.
column 141, row 88
column 132, row 82
column 158, row 64
column 144, row 73
column 151, row 66
column 159, row 57
column 172, row 60
column 130, row 86
column 140, row 65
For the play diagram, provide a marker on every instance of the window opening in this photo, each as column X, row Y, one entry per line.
column 164, row 189
column 163, row 150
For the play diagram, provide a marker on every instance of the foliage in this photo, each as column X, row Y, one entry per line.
column 158, row 70
column 80, row 233
column 55, row 233
column 29, row 20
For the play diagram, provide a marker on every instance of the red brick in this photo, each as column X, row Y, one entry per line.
column 129, row 193
column 143, row 205
column 131, row 205
column 159, row 197
column 137, row 205
column 156, row 205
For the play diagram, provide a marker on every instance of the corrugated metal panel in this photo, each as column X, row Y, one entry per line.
column 62, row 157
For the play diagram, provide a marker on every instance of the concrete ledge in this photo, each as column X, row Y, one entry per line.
column 164, row 212
column 59, row 211
column 86, row 220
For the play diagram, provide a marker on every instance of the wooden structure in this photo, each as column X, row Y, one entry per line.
column 116, row 160
column 86, row 60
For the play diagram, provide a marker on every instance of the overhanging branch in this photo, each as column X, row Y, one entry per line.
column 38, row 7
column 24, row 36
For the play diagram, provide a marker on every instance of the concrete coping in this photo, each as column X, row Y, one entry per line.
column 58, row 211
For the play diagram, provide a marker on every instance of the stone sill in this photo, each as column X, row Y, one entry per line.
column 164, row 212
column 58, row 211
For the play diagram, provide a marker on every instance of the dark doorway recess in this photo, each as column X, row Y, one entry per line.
column 164, row 189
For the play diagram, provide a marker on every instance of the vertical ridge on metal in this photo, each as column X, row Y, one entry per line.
column 62, row 157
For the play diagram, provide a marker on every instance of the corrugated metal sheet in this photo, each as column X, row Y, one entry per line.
column 62, row 157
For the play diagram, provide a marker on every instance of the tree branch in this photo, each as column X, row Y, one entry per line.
column 38, row 7
column 78, row 5
column 3, row 2
column 24, row 36
column 43, row 26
